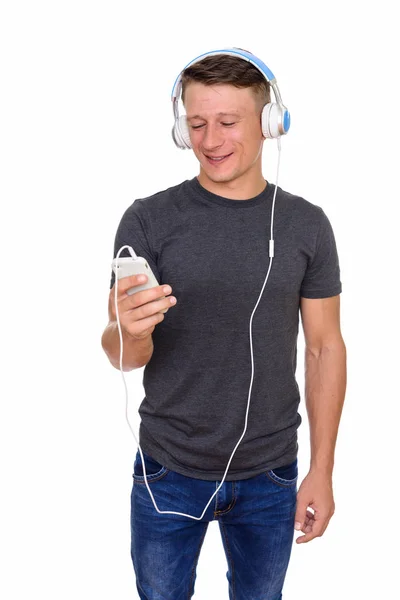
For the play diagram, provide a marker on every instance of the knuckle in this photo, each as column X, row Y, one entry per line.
column 142, row 312
column 133, row 301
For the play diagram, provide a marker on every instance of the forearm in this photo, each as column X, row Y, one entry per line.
column 136, row 353
column 325, row 387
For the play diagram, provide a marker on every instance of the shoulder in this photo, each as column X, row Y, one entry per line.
column 162, row 199
column 298, row 205
column 305, row 217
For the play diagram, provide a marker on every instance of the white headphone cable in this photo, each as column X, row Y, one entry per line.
column 271, row 255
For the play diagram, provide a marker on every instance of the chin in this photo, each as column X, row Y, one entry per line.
column 224, row 176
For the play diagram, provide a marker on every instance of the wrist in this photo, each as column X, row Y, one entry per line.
column 323, row 468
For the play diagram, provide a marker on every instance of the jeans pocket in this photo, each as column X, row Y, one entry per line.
column 285, row 475
column 154, row 470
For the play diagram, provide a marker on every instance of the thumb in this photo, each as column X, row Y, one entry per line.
column 299, row 519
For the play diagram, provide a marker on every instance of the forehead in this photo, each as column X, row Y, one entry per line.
column 219, row 100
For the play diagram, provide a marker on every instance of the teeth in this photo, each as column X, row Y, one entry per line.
column 217, row 158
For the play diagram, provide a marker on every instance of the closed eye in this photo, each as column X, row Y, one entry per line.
column 198, row 126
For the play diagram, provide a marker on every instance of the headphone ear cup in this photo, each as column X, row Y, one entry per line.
column 183, row 126
column 180, row 133
column 270, row 120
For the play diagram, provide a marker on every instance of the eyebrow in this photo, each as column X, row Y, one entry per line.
column 220, row 114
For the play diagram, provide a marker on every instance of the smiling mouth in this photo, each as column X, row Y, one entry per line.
column 217, row 159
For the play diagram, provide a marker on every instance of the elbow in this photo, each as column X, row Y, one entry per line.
column 125, row 368
column 329, row 346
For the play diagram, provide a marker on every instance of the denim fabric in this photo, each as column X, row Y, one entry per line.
column 256, row 521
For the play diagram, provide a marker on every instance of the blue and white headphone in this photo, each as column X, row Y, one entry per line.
column 275, row 118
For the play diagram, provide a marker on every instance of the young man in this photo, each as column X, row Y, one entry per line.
column 208, row 238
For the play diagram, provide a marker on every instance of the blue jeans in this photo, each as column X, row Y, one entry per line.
column 256, row 521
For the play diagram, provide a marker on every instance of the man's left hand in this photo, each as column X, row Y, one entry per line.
column 315, row 492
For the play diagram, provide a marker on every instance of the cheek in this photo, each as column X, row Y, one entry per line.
column 196, row 141
column 255, row 139
column 195, row 144
column 248, row 145
column 248, row 139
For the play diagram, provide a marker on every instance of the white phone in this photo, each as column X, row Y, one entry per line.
column 127, row 265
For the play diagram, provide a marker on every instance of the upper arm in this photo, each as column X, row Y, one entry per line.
column 111, row 313
column 322, row 276
column 134, row 230
column 321, row 322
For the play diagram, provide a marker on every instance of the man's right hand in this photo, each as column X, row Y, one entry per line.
column 139, row 312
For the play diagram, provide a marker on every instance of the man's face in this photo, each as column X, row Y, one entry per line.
column 236, row 133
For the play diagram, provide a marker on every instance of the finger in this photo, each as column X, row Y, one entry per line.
column 317, row 531
column 140, row 329
column 308, row 526
column 152, row 307
column 301, row 513
column 145, row 296
column 310, row 518
column 325, row 526
column 130, row 281
column 310, row 514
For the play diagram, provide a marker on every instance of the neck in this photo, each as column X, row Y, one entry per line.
column 240, row 188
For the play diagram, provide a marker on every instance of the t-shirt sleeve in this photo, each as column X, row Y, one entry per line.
column 322, row 277
column 134, row 230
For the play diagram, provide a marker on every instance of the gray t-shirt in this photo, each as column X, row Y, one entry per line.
column 213, row 251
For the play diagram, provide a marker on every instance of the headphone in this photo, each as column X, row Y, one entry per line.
column 275, row 118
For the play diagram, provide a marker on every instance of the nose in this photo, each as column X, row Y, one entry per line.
column 212, row 138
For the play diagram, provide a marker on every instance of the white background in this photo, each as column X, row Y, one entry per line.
column 86, row 125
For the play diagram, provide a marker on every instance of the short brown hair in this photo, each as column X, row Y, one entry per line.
column 226, row 68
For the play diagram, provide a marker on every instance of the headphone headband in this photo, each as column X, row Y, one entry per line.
column 262, row 67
